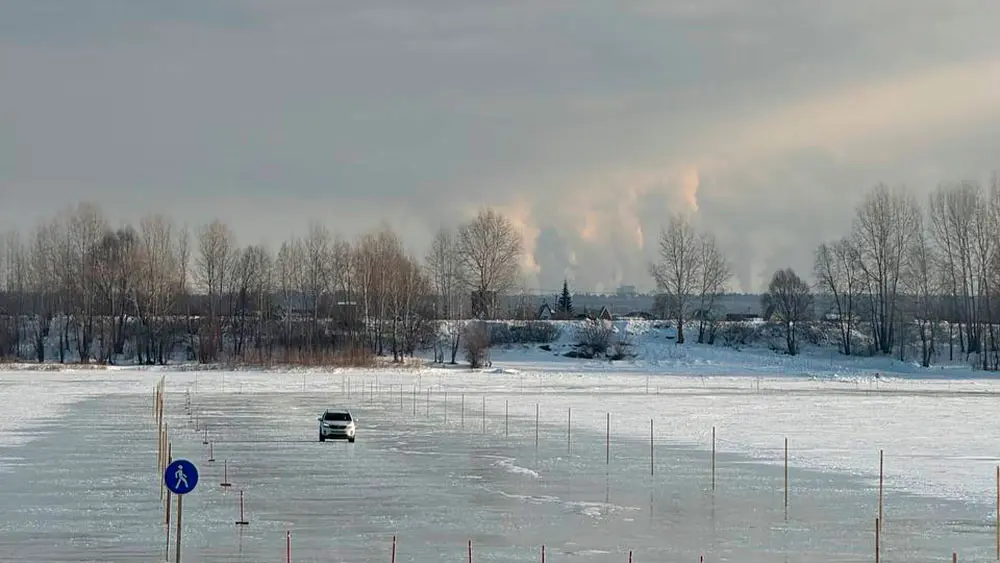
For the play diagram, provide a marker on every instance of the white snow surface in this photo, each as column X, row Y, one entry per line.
column 936, row 426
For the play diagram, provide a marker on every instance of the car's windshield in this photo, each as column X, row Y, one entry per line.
column 339, row 416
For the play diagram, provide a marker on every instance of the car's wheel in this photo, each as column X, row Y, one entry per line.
column 351, row 439
column 322, row 438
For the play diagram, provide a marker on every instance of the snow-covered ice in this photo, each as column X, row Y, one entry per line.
column 78, row 454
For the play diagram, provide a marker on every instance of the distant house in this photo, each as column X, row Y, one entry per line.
column 739, row 317
column 641, row 315
column 605, row 314
column 836, row 317
column 545, row 313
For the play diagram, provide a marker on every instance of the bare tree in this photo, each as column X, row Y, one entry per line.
column 987, row 254
column 883, row 231
column 216, row 245
column 44, row 286
column 84, row 228
column 490, row 249
column 252, row 275
column 715, row 273
column 15, row 283
column 288, row 272
column 838, row 273
column 448, row 280
column 408, row 306
column 317, row 279
column 184, row 283
column 157, row 289
column 919, row 283
column 677, row 274
column 115, row 279
column 954, row 210
column 789, row 297
column 477, row 344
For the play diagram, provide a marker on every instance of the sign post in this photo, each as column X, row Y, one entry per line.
column 180, row 478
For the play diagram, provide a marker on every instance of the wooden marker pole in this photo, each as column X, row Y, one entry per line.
column 393, row 549
column 166, row 518
column 470, row 551
column 569, row 427
column 881, row 481
column 607, row 442
column 243, row 520
column 536, row 426
column 225, row 474
column 878, row 534
column 713, row 458
column 166, row 555
column 177, row 548
column 543, row 554
column 163, row 459
column 651, row 447
column 288, row 546
column 786, row 478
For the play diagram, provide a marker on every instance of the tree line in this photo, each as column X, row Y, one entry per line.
column 77, row 288
column 905, row 275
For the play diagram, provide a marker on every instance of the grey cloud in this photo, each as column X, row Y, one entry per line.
column 268, row 114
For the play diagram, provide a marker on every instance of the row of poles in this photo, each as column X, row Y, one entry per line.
column 164, row 455
column 371, row 390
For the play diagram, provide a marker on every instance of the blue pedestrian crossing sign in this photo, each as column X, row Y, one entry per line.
column 181, row 477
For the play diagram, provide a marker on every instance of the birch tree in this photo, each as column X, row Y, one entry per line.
column 884, row 229
column 216, row 248
column 837, row 269
column 715, row 273
column 678, row 271
column 490, row 249
column 789, row 297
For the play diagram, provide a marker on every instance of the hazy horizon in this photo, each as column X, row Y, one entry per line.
column 587, row 123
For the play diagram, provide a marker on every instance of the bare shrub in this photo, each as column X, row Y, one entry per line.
column 738, row 334
column 542, row 332
column 594, row 339
column 477, row 345
column 622, row 347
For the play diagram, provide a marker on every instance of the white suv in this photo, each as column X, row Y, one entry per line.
column 336, row 424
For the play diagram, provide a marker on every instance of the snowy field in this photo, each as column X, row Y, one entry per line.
column 78, row 457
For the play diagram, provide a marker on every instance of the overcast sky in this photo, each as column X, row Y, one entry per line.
column 587, row 122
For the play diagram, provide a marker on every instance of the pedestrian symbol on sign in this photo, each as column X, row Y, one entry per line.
column 181, row 477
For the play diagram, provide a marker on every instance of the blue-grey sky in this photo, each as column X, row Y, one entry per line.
column 587, row 122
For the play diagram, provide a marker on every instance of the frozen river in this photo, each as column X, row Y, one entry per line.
column 85, row 488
